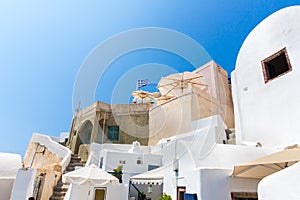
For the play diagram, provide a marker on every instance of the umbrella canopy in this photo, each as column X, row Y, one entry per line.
column 143, row 95
column 267, row 165
column 153, row 177
column 92, row 175
column 176, row 84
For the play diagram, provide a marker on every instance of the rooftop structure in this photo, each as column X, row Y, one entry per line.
column 265, row 82
column 105, row 123
column 196, row 99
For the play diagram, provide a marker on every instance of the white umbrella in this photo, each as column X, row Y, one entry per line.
column 175, row 84
column 90, row 174
column 143, row 96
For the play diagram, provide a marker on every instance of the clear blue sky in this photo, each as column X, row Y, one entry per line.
column 44, row 43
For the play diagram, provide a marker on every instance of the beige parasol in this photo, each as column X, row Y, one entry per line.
column 267, row 165
column 175, row 84
column 143, row 96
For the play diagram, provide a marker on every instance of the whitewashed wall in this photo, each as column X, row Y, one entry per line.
column 95, row 148
column 6, row 185
column 86, row 191
column 9, row 166
column 268, row 113
column 199, row 157
column 217, row 184
column 23, row 186
column 112, row 159
column 281, row 185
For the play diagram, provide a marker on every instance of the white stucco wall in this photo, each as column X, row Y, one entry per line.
column 117, row 192
column 78, row 192
column 23, row 186
column 190, row 148
column 86, row 191
column 269, row 112
column 227, row 156
column 199, row 157
column 9, row 166
column 112, row 159
column 203, row 176
column 217, row 184
column 95, row 148
column 281, row 185
column 6, row 185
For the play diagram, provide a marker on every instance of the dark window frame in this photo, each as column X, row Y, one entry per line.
column 243, row 195
column 110, row 137
column 272, row 57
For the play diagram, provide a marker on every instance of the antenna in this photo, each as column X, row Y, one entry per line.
column 78, row 107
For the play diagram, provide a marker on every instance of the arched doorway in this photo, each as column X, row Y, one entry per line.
column 84, row 135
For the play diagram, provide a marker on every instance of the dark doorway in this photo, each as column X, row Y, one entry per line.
column 100, row 194
column 180, row 193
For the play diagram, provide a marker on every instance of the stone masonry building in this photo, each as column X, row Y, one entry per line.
column 105, row 123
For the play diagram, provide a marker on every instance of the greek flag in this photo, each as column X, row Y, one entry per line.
column 142, row 83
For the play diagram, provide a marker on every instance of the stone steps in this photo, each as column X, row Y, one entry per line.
column 60, row 190
column 59, row 193
column 56, row 198
column 76, row 163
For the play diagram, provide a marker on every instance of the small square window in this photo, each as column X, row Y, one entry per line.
column 122, row 162
column 276, row 65
column 113, row 133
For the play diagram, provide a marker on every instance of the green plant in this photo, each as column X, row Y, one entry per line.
column 142, row 196
column 118, row 173
column 165, row 197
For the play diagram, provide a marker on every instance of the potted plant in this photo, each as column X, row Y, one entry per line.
column 142, row 196
column 118, row 173
column 165, row 197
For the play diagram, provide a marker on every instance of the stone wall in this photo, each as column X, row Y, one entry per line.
column 131, row 119
column 48, row 167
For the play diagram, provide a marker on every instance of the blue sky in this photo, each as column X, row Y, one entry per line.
column 44, row 43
